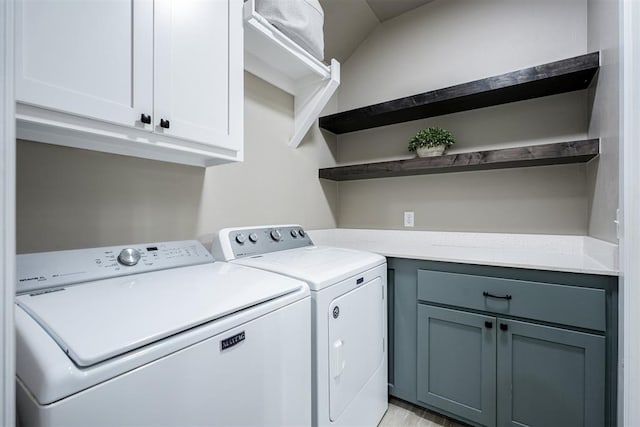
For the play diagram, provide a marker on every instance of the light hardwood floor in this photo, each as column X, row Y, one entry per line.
column 403, row 414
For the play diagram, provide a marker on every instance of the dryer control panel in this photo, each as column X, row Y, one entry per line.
column 44, row 270
column 232, row 243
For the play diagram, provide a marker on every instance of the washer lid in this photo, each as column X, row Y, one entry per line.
column 95, row 321
column 319, row 266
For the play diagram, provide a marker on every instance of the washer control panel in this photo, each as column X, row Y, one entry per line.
column 248, row 241
column 54, row 269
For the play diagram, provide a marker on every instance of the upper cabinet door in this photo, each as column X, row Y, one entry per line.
column 88, row 58
column 198, row 55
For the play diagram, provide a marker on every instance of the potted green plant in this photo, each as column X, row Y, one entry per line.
column 431, row 142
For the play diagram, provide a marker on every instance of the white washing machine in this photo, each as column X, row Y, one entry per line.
column 349, row 316
column 159, row 335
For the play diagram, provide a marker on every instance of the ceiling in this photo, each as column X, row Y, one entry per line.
column 347, row 23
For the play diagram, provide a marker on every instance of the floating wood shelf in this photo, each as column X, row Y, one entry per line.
column 548, row 79
column 534, row 155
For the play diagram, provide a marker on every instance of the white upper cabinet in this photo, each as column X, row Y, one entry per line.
column 157, row 79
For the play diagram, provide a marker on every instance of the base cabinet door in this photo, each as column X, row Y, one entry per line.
column 457, row 362
column 549, row 376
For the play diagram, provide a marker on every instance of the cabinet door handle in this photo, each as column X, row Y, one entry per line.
column 164, row 123
column 504, row 327
column 488, row 295
column 488, row 325
column 145, row 118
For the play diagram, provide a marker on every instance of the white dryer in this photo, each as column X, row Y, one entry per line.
column 349, row 316
column 159, row 335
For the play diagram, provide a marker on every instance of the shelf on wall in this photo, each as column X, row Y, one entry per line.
column 534, row 155
column 548, row 79
column 274, row 57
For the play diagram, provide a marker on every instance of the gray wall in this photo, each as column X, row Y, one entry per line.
column 454, row 41
column 603, row 35
column 70, row 198
column 275, row 184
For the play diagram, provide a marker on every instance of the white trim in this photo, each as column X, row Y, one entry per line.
column 7, row 216
column 52, row 127
column 630, row 201
column 309, row 102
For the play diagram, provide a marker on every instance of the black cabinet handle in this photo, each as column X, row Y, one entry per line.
column 164, row 123
column 504, row 327
column 488, row 325
column 145, row 118
column 488, row 295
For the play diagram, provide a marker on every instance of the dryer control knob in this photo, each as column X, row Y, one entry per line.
column 294, row 234
column 275, row 235
column 129, row 257
column 240, row 238
column 253, row 237
column 301, row 232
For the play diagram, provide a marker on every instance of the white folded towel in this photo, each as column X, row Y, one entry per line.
column 301, row 20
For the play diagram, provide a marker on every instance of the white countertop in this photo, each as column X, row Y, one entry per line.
column 575, row 254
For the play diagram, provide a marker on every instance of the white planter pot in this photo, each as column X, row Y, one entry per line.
column 430, row 151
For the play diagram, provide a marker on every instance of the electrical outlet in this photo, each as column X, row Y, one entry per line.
column 408, row 219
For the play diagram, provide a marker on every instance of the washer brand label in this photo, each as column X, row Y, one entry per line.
column 231, row 341
column 29, row 279
column 46, row 291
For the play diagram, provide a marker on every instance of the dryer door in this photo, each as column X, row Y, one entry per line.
column 356, row 342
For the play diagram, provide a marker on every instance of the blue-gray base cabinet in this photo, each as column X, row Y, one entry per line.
column 496, row 346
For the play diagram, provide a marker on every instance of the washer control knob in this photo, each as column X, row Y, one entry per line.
column 275, row 235
column 240, row 238
column 301, row 232
column 294, row 234
column 253, row 237
column 129, row 257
